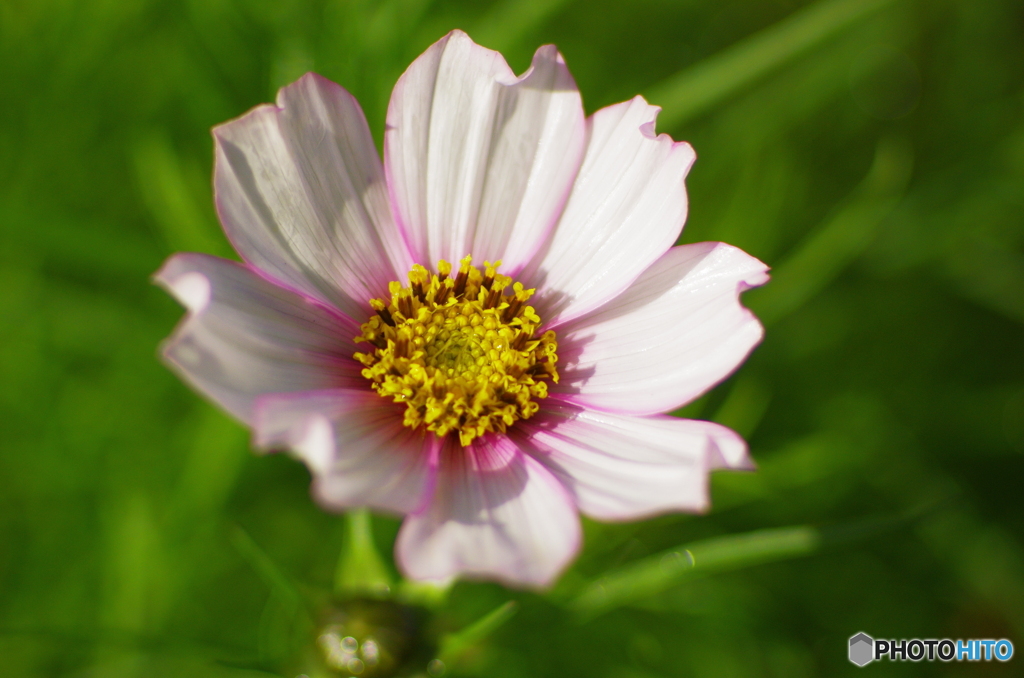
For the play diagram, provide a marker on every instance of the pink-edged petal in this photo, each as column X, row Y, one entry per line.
column 676, row 332
column 627, row 206
column 622, row 467
column 355, row 445
column 244, row 336
column 301, row 193
column 478, row 161
column 495, row 513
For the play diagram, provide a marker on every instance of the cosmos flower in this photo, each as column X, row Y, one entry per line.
column 481, row 333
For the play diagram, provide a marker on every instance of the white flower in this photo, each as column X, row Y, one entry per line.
column 488, row 421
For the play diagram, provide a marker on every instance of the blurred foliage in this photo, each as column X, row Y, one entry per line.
column 871, row 151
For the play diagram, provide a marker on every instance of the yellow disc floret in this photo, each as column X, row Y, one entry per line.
column 460, row 353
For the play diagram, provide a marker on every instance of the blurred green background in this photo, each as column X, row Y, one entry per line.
column 871, row 151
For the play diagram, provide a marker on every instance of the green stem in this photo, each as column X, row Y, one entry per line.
column 360, row 568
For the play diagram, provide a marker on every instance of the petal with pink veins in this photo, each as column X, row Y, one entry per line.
column 244, row 336
column 676, row 332
column 495, row 513
column 300, row 191
column 354, row 444
column 479, row 161
column 627, row 206
column 622, row 467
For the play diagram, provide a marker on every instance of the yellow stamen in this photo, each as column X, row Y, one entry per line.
column 459, row 352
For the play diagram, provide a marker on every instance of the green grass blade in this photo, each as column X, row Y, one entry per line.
column 698, row 88
column 266, row 568
column 834, row 244
column 652, row 575
column 455, row 645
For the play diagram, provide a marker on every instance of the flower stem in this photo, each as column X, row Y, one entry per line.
column 360, row 568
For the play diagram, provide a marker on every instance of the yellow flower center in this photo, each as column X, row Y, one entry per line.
column 460, row 353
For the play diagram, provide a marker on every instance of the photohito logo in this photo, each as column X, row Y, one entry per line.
column 864, row 649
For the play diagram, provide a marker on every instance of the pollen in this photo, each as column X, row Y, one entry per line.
column 462, row 354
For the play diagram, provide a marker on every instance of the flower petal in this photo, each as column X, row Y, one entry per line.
column 478, row 161
column 300, row 191
column 354, row 444
column 495, row 513
column 676, row 332
column 245, row 336
column 626, row 208
column 622, row 467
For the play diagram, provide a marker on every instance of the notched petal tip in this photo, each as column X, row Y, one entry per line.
column 749, row 271
column 459, row 39
column 623, row 468
column 690, row 302
column 548, row 51
column 524, row 580
column 514, row 523
column 308, row 79
column 315, row 443
column 302, row 87
column 753, row 273
column 223, row 131
column 456, row 34
column 648, row 130
column 313, row 86
column 309, row 437
column 190, row 288
column 727, row 450
column 478, row 159
column 549, row 72
column 650, row 113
